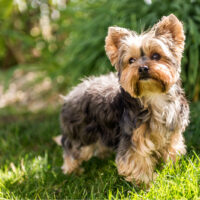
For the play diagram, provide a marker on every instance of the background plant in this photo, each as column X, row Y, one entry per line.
column 71, row 43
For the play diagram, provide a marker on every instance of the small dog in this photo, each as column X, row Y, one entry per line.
column 140, row 113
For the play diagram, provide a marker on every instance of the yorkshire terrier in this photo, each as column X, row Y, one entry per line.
column 140, row 112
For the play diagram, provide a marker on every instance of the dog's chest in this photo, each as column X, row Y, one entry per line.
column 163, row 117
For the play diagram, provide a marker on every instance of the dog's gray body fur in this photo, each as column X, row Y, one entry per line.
column 99, row 109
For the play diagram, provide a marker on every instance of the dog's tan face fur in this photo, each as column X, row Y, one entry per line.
column 148, row 63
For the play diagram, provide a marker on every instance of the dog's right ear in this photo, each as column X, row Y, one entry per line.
column 115, row 34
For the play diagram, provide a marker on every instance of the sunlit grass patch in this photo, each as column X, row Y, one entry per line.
column 30, row 164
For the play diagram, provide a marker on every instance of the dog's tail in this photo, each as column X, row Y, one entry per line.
column 57, row 140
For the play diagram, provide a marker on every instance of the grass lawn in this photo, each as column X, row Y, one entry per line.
column 30, row 165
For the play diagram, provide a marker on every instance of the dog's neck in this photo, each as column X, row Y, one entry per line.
column 165, row 111
column 164, row 108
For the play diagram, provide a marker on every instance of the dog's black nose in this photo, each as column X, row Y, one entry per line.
column 143, row 70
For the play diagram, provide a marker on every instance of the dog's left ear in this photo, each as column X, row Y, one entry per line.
column 171, row 28
column 112, row 42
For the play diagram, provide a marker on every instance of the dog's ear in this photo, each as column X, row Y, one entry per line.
column 112, row 42
column 171, row 28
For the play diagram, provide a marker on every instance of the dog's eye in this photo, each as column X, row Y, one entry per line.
column 131, row 60
column 155, row 56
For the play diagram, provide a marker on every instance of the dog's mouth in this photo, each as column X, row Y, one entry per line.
column 145, row 77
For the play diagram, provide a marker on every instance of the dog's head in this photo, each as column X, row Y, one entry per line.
column 147, row 63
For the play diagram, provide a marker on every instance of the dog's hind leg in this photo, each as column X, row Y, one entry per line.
column 74, row 157
column 70, row 163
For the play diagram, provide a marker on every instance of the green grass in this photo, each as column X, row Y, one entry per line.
column 30, row 165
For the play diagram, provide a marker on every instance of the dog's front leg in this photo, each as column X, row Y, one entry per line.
column 175, row 148
column 136, row 162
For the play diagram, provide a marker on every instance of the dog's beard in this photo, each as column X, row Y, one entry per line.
column 149, row 86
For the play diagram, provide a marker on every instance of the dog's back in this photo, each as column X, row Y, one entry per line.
column 91, row 114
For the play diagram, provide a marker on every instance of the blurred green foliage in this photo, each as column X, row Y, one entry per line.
column 66, row 39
